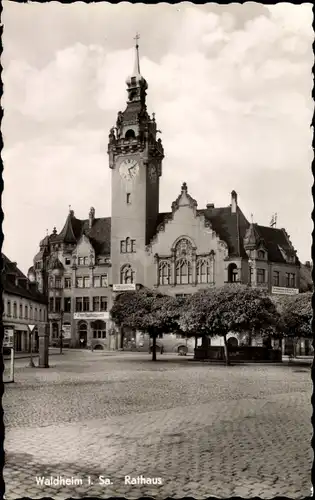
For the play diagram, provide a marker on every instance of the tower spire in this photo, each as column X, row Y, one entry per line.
column 136, row 69
column 136, row 84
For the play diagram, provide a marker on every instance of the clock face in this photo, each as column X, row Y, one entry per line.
column 129, row 169
column 152, row 172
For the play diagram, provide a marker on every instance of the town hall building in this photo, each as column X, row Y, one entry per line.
column 83, row 266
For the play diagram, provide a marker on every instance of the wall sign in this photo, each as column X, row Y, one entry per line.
column 281, row 290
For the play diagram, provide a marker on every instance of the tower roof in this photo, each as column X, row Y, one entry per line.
column 136, row 84
column 252, row 237
column 67, row 232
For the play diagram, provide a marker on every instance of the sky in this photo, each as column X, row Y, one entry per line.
column 230, row 86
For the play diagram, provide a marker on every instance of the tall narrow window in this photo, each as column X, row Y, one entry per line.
column 9, row 308
column 292, row 280
column 183, row 272
column 128, row 198
column 26, row 312
column 133, row 246
column 276, row 278
column 14, row 310
column 51, row 304
column 96, row 304
column 67, row 282
column 261, row 276
column 67, row 304
column 86, row 304
column 79, row 282
column 128, row 245
column 104, row 281
column 86, row 282
column 123, row 246
column 103, row 303
column 287, row 280
column 79, row 304
column 21, row 311
column 97, row 281
column 164, row 273
column 58, row 304
column 203, row 269
column 183, row 266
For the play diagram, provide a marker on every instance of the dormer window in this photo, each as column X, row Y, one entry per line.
column 261, row 255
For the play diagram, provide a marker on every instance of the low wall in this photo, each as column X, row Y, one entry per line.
column 244, row 353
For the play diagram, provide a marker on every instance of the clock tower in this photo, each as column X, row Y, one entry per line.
column 135, row 157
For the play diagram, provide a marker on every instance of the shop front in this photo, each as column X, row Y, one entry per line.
column 92, row 330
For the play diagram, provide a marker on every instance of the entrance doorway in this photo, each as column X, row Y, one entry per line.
column 83, row 335
column 18, row 341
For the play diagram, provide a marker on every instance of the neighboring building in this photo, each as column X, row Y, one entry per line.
column 23, row 305
column 177, row 252
column 306, row 280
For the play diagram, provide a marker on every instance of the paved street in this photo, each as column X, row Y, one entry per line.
column 204, row 430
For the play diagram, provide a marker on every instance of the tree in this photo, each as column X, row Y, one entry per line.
column 216, row 312
column 296, row 316
column 148, row 311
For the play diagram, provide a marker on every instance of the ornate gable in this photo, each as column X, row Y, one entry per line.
column 184, row 200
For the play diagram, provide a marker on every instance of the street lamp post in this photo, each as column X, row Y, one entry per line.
column 61, row 336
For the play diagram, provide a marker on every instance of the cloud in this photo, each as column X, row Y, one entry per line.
column 231, row 89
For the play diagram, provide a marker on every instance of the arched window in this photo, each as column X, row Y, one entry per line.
column 14, row 310
column 21, row 311
column 31, row 312
column 130, row 134
column 183, row 257
column 232, row 273
column 126, row 274
column 40, row 314
column 128, row 245
column 26, row 312
column 183, row 272
column 35, row 317
column 183, row 248
column 204, row 270
column 99, row 329
column 164, row 273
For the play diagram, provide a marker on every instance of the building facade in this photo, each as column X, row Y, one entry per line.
column 23, row 305
column 178, row 252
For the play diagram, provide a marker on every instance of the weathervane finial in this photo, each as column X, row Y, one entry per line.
column 137, row 62
column 252, row 218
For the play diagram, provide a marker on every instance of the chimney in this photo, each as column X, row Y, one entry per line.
column 91, row 217
column 233, row 202
column 210, row 205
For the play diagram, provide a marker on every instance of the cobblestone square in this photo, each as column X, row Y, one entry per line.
column 201, row 429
